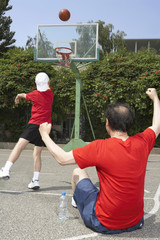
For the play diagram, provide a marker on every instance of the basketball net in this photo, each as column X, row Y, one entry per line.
column 63, row 55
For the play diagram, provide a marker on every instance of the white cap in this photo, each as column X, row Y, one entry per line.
column 41, row 81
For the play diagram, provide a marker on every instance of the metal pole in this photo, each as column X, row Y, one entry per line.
column 88, row 118
column 77, row 100
column 77, row 108
column 76, row 141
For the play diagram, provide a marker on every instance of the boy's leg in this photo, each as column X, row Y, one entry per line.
column 37, row 158
column 20, row 145
column 37, row 168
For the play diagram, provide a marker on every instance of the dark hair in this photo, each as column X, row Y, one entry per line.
column 120, row 117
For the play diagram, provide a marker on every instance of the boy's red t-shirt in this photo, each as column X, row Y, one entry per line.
column 121, row 167
column 42, row 106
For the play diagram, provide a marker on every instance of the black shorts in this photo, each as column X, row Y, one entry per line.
column 32, row 134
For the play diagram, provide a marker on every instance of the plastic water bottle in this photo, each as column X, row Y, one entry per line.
column 63, row 207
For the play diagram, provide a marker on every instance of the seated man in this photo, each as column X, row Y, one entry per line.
column 120, row 161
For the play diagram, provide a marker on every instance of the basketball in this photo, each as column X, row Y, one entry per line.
column 64, row 14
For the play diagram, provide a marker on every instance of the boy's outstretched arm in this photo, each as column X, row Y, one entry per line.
column 152, row 93
column 62, row 157
column 19, row 97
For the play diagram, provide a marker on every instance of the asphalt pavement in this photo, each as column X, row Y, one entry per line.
column 33, row 215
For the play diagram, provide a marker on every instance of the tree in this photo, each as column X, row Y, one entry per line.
column 86, row 40
column 108, row 40
column 45, row 47
column 31, row 42
column 6, row 36
column 121, row 77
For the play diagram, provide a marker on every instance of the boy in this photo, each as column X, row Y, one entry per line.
column 42, row 100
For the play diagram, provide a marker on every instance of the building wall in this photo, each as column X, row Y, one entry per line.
column 134, row 45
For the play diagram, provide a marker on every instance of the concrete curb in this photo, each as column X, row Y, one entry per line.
column 10, row 145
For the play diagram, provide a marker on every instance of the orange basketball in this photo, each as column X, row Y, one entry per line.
column 64, row 14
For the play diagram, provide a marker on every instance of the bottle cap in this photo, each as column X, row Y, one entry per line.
column 63, row 193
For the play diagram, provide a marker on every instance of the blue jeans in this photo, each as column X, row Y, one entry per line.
column 85, row 197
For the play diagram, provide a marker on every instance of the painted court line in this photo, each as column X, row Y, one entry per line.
column 34, row 192
column 146, row 191
column 156, row 204
column 82, row 237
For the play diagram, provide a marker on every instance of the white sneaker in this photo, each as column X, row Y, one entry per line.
column 74, row 203
column 34, row 185
column 4, row 174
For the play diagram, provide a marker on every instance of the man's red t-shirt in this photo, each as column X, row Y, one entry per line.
column 121, row 167
column 42, row 106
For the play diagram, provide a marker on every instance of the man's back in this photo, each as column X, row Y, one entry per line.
column 121, row 169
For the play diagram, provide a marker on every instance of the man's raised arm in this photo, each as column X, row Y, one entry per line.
column 152, row 93
column 62, row 157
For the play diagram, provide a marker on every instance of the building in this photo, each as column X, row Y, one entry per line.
column 134, row 45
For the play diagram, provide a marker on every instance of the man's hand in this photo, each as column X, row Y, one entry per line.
column 62, row 157
column 45, row 128
column 152, row 93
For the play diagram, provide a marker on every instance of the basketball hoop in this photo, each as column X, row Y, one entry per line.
column 63, row 55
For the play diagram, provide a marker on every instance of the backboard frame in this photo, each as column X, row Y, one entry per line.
column 54, row 59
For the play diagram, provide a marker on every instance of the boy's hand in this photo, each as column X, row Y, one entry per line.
column 17, row 99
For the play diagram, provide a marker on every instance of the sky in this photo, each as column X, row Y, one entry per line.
column 137, row 18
